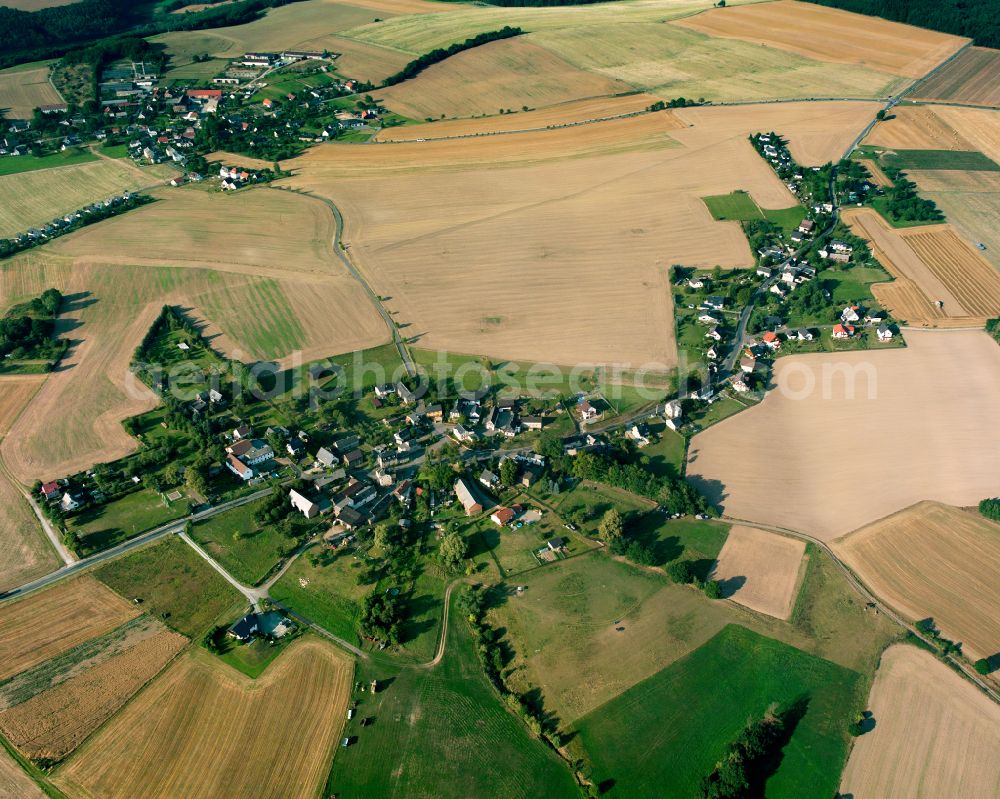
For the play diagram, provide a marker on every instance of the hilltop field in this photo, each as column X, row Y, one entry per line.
column 510, row 274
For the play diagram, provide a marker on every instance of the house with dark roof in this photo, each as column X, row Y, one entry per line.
column 244, row 629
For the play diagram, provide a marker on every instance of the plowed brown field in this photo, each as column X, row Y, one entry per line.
column 203, row 730
column 937, row 561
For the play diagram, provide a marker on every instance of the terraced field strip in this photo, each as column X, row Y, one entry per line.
column 48, row 623
column 972, row 77
column 970, row 277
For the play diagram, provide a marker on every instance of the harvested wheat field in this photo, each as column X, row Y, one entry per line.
column 760, row 570
column 204, row 730
column 945, row 268
column 14, row 781
column 971, row 202
column 829, row 34
column 932, row 560
column 27, row 553
column 505, row 74
column 935, row 734
column 75, row 419
column 816, row 132
column 274, row 232
column 29, row 199
column 973, row 77
column 918, row 128
column 569, row 113
column 54, row 721
column 878, row 176
column 509, row 274
column 629, row 42
column 48, row 623
column 980, row 126
column 23, row 90
column 927, row 411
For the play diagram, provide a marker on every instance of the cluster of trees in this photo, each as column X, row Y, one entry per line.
column 993, row 328
column 903, row 204
column 685, row 572
column 977, row 19
column 676, row 102
column 381, row 617
column 738, row 774
column 419, row 64
column 990, row 508
column 11, row 246
column 52, row 32
column 672, row 492
column 930, row 629
column 29, row 335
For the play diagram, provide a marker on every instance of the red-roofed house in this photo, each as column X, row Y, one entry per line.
column 237, row 467
column 504, row 516
column 771, row 340
column 204, row 94
column 51, row 490
column 843, row 331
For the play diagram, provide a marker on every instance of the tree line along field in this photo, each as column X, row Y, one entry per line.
column 878, row 398
column 588, row 630
column 556, row 115
column 504, row 74
column 935, row 733
column 973, row 77
column 34, row 198
column 203, row 729
column 936, row 561
column 630, row 43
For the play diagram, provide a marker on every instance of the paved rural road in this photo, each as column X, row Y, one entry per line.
column 127, row 546
column 870, row 597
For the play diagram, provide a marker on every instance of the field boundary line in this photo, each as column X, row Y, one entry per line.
column 870, row 596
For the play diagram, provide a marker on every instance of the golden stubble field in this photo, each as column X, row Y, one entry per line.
column 938, row 263
column 509, row 73
column 29, row 199
column 23, row 90
column 14, row 781
column 760, row 570
column 204, row 730
column 45, row 624
column 973, row 77
column 568, row 113
column 564, row 254
column 829, row 34
column 935, row 734
column 27, row 553
column 932, row 560
column 803, row 458
column 55, row 720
